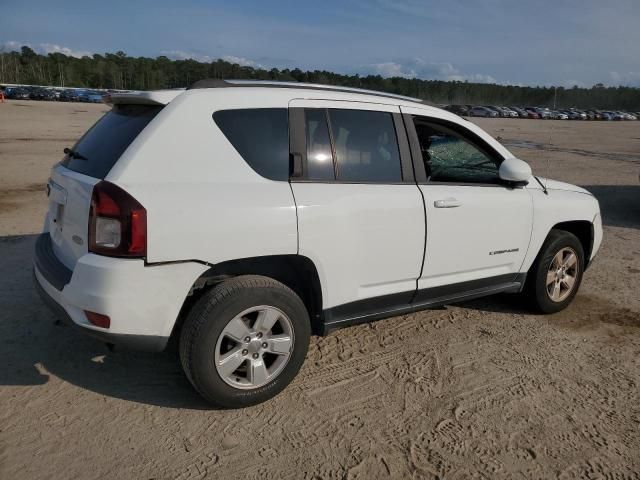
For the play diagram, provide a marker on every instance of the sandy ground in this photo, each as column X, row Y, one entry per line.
column 479, row 390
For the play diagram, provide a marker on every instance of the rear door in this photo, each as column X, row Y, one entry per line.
column 72, row 180
column 360, row 213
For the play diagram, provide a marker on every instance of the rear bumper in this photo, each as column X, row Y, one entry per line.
column 52, row 269
column 135, row 342
column 143, row 302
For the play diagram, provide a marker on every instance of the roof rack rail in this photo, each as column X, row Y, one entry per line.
column 218, row 83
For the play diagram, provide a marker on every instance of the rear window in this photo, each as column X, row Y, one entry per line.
column 261, row 137
column 106, row 141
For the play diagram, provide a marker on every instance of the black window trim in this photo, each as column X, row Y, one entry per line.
column 471, row 137
column 298, row 148
column 332, row 144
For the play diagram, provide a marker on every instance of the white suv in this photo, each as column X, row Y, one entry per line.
column 243, row 216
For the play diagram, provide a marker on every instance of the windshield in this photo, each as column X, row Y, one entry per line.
column 99, row 149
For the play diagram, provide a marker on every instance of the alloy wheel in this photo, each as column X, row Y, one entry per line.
column 562, row 274
column 254, row 347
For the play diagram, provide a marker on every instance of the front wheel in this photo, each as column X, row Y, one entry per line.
column 244, row 341
column 556, row 274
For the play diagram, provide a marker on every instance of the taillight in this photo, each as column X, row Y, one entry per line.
column 117, row 223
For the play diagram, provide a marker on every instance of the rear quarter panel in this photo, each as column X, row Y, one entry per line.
column 203, row 201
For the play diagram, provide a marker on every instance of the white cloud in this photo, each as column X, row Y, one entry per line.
column 53, row 48
column 243, row 62
column 631, row 79
column 570, row 84
column 391, row 69
column 182, row 55
column 419, row 68
column 11, row 46
column 43, row 48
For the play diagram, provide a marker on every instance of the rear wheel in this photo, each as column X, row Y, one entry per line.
column 244, row 341
column 556, row 274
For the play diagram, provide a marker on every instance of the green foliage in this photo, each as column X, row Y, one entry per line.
column 120, row 71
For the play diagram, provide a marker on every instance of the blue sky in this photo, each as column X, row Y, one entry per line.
column 538, row 42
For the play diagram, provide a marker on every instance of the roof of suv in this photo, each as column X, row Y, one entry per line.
column 163, row 97
column 216, row 83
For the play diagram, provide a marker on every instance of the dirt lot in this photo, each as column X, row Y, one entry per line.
column 479, row 390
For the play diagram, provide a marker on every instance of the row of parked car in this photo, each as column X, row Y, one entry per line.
column 492, row 111
column 53, row 94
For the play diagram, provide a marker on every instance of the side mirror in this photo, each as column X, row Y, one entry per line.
column 515, row 171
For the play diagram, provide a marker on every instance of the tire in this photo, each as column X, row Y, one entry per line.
column 205, row 341
column 541, row 293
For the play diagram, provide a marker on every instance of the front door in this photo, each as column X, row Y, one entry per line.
column 478, row 228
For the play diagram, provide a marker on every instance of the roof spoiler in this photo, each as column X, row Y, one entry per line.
column 153, row 97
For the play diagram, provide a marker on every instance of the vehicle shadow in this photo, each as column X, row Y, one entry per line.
column 619, row 204
column 34, row 346
column 500, row 303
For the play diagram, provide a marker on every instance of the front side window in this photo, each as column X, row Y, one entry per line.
column 365, row 145
column 449, row 157
column 261, row 137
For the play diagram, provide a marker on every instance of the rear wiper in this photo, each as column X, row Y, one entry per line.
column 74, row 154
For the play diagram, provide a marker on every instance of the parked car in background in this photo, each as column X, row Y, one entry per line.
column 544, row 113
column 18, row 94
column 616, row 116
column 69, row 96
column 483, row 112
column 49, row 95
column 580, row 115
column 593, row 115
column 509, row 113
column 533, row 110
column 90, row 97
column 572, row 114
column 496, row 109
column 556, row 115
column 36, row 94
column 522, row 113
column 461, row 110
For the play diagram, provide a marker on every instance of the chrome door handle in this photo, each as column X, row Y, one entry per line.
column 447, row 203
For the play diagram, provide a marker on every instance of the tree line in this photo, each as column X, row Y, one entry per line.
column 120, row 71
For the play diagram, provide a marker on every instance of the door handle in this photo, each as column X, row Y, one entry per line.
column 447, row 203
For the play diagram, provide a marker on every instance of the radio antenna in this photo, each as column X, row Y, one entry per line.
column 555, row 98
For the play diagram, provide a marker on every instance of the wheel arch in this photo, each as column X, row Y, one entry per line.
column 583, row 230
column 297, row 272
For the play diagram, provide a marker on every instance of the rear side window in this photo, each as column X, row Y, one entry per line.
column 261, row 137
column 106, row 141
column 366, row 146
